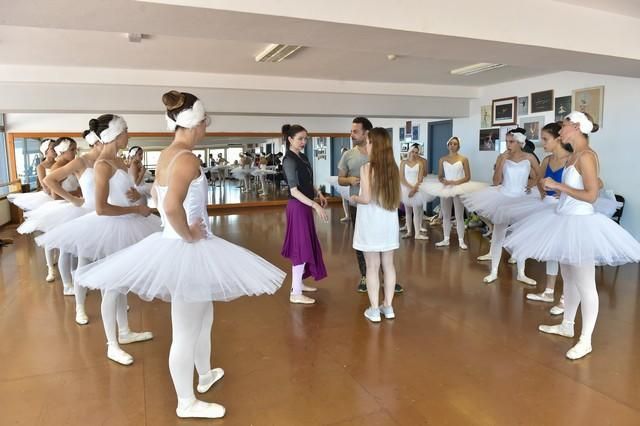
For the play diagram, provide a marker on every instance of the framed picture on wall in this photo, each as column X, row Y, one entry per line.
column 488, row 138
column 404, row 155
column 523, row 106
column 503, row 111
column 415, row 135
column 562, row 107
column 542, row 101
column 485, row 116
column 404, row 146
column 408, row 128
column 533, row 126
column 401, row 134
column 591, row 101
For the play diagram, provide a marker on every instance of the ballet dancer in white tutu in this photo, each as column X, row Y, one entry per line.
column 32, row 200
column 185, row 264
column 514, row 175
column 138, row 172
column 412, row 173
column 79, row 169
column 117, row 223
column 45, row 217
column 454, row 179
column 576, row 236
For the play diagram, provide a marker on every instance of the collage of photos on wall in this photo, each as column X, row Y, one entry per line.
column 409, row 135
column 505, row 114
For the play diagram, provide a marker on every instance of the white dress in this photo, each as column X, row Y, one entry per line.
column 93, row 236
column 30, row 200
column 377, row 229
column 451, row 172
column 496, row 202
column 166, row 267
column 411, row 176
column 52, row 213
column 574, row 233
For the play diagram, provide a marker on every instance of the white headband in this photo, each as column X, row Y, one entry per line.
column 134, row 151
column 91, row 138
column 44, row 146
column 520, row 137
column 116, row 126
column 62, row 147
column 586, row 126
column 187, row 118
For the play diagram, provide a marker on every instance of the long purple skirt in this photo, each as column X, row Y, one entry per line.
column 301, row 243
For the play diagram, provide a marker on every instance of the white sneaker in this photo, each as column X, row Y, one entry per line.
column 207, row 380
column 581, row 349
column 309, row 289
column 387, row 312
column 373, row 314
column 133, row 337
column 558, row 329
column 200, row 410
column 545, row 296
column 443, row 243
column 484, row 257
column 462, row 245
column 51, row 275
column 301, row 299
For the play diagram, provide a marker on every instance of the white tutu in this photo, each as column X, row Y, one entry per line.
column 262, row 172
column 343, row 191
column 51, row 215
column 418, row 199
column 606, row 206
column 437, row 189
column 572, row 239
column 500, row 208
column 239, row 173
column 95, row 237
column 29, row 200
column 174, row 270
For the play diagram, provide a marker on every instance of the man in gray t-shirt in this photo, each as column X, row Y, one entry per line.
column 349, row 175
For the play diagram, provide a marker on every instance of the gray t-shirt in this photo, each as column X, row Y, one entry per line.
column 350, row 163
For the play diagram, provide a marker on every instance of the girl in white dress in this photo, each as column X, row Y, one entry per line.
column 32, row 200
column 515, row 173
column 138, row 172
column 577, row 236
column 185, row 264
column 411, row 175
column 454, row 179
column 377, row 228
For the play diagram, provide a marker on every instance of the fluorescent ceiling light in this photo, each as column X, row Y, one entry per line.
column 276, row 52
column 476, row 68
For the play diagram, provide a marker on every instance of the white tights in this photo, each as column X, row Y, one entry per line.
column 114, row 311
column 445, row 208
column 580, row 290
column 79, row 291
column 414, row 216
column 66, row 264
column 297, row 271
column 374, row 260
column 191, row 345
column 49, row 256
column 552, row 273
column 497, row 241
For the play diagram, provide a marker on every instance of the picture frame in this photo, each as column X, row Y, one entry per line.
column 415, row 134
column 488, row 138
column 485, row 116
column 401, row 134
column 503, row 111
column 562, row 107
column 523, row 106
column 408, row 131
column 533, row 126
column 404, row 156
column 541, row 101
column 404, row 146
column 591, row 101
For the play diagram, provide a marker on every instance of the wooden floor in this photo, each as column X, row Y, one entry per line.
column 459, row 353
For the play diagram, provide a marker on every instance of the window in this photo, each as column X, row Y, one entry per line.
column 4, row 161
column 28, row 157
column 151, row 159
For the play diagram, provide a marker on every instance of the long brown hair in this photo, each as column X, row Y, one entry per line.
column 383, row 170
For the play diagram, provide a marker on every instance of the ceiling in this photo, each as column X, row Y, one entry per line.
column 621, row 7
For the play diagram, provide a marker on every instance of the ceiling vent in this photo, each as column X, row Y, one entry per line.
column 276, row 52
column 476, row 68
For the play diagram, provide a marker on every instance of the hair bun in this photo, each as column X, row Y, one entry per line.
column 93, row 125
column 173, row 100
column 286, row 128
column 85, row 133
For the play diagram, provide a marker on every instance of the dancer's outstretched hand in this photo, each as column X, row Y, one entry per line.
column 322, row 213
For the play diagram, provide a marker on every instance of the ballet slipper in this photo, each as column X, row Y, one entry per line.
column 484, row 257
column 309, row 289
column 199, row 409
column 462, row 245
column 133, row 337
column 563, row 329
column 116, row 354
column 205, row 381
column 490, row 278
column 580, row 350
column 443, row 243
column 81, row 315
column 526, row 280
column 301, row 299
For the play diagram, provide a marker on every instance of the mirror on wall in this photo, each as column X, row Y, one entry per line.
column 239, row 169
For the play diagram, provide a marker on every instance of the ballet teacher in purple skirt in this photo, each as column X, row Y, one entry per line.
column 301, row 244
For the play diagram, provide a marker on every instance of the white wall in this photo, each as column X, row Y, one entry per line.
column 616, row 143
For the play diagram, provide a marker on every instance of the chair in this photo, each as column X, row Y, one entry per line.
column 617, row 216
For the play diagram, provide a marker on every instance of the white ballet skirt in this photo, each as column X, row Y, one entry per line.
column 343, row 191
column 52, row 213
column 29, row 200
column 452, row 172
column 262, row 171
column 572, row 233
column 496, row 202
column 93, row 236
column 376, row 229
column 420, row 197
column 239, row 173
column 166, row 267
